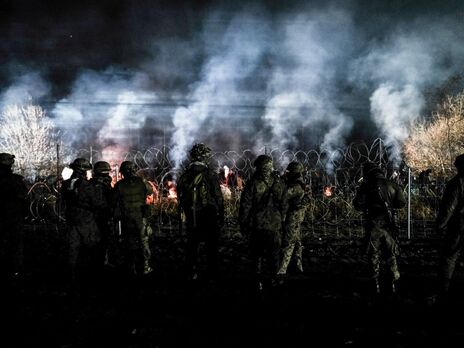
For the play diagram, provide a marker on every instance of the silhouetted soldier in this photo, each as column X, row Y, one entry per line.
column 201, row 199
column 295, row 195
column 13, row 210
column 450, row 223
column 101, row 180
column 261, row 216
column 130, row 195
column 377, row 197
column 82, row 203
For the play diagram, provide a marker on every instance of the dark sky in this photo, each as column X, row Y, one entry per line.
column 351, row 54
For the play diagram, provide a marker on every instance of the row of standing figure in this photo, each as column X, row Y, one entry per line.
column 271, row 213
column 97, row 214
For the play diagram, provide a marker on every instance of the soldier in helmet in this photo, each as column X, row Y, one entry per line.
column 101, row 180
column 450, row 224
column 130, row 197
column 261, row 214
column 82, row 204
column 13, row 210
column 201, row 199
column 295, row 196
column 378, row 198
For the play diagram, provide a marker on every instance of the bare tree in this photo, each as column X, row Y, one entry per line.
column 434, row 144
column 31, row 137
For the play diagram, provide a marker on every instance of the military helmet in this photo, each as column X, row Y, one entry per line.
column 80, row 165
column 6, row 159
column 295, row 168
column 127, row 167
column 371, row 169
column 459, row 162
column 102, row 167
column 261, row 161
column 200, row 152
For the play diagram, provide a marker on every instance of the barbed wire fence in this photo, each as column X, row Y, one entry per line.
column 332, row 178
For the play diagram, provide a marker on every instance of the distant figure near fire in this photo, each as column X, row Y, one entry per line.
column 261, row 215
column 101, row 180
column 450, row 223
column 131, row 209
column 13, row 209
column 296, row 199
column 377, row 198
column 201, row 200
column 82, row 203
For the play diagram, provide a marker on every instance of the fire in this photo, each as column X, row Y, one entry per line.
column 328, row 191
column 153, row 198
column 171, row 188
column 225, row 182
column 115, row 175
column 230, row 181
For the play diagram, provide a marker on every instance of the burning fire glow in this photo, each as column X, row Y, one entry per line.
column 153, row 198
column 225, row 183
column 328, row 191
column 66, row 173
column 171, row 187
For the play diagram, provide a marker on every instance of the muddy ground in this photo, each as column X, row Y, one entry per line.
column 328, row 306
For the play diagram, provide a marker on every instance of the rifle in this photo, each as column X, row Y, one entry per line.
column 392, row 218
column 179, row 214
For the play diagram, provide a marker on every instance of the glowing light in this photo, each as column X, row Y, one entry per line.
column 172, row 192
column 328, row 191
column 66, row 173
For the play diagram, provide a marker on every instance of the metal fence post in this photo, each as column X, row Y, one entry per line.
column 409, row 203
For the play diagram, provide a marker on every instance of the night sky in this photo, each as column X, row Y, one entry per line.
column 278, row 73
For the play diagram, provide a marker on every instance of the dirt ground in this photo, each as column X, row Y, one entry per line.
column 327, row 306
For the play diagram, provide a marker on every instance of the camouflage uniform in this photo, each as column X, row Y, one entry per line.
column 295, row 214
column 371, row 197
column 101, row 180
column 261, row 214
column 130, row 195
column 205, row 220
column 450, row 223
column 13, row 210
column 82, row 203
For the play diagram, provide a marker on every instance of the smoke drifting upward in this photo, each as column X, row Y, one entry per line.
column 422, row 55
column 302, row 86
column 288, row 76
column 394, row 110
column 114, row 117
column 234, row 59
column 25, row 88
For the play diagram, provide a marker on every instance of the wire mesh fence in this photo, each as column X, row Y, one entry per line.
column 332, row 179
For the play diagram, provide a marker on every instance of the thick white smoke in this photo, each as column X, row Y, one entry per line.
column 393, row 110
column 27, row 88
column 410, row 60
column 232, row 59
column 267, row 77
column 302, row 86
column 113, row 106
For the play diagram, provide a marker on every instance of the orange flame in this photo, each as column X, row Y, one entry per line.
column 171, row 187
column 153, row 198
column 328, row 191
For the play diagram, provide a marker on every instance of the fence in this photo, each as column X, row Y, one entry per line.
column 332, row 179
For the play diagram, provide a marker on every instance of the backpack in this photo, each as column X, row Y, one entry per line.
column 195, row 194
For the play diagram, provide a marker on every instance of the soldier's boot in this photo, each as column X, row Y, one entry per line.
column 374, row 287
column 395, row 274
column 299, row 258
column 299, row 265
column 286, row 257
column 147, row 268
column 259, row 284
column 377, row 286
